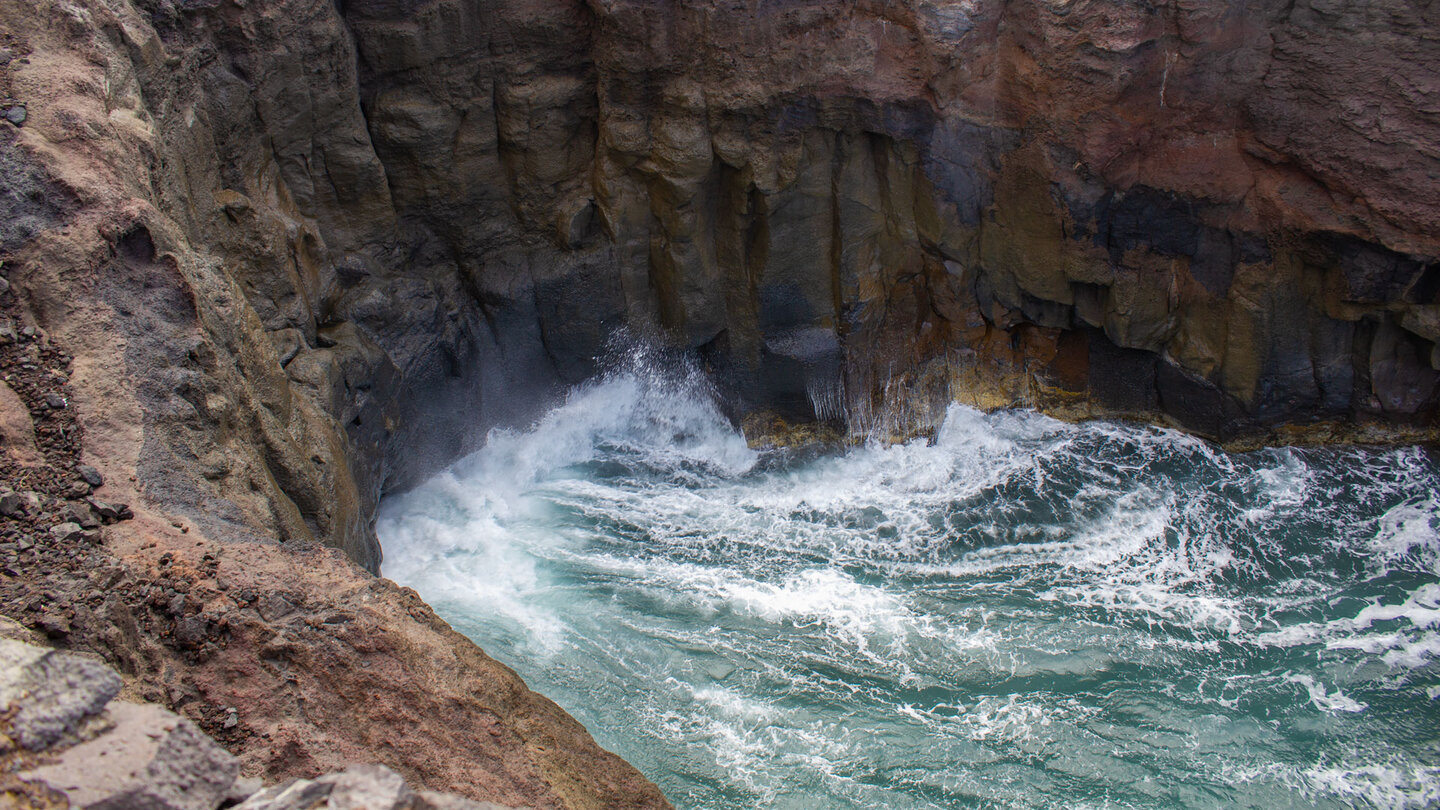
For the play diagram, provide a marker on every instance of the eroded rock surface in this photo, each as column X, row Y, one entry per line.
column 308, row 250
column 64, row 743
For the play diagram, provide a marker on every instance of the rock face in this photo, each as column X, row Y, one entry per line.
column 302, row 251
column 312, row 246
column 1222, row 212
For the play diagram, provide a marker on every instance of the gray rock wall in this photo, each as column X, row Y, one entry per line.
column 335, row 242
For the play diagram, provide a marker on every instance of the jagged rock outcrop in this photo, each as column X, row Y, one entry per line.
column 65, row 742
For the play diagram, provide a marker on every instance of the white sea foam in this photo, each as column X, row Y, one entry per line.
column 1393, row 787
column 1410, row 642
column 1409, row 532
column 1322, row 698
column 831, row 632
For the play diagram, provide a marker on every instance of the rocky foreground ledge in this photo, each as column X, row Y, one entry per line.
column 67, row 742
column 293, row 659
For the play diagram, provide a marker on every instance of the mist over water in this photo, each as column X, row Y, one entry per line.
column 1018, row 613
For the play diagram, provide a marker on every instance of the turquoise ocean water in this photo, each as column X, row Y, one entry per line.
column 1017, row 613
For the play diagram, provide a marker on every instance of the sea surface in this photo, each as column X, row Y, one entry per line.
column 1017, row 613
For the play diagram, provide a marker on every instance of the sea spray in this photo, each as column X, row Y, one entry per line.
column 1016, row 613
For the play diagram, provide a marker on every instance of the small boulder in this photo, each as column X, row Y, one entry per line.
column 55, row 401
column 12, row 504
column 108, row 512
column 81, row 513
column 17, row 115
column 373, row 787
column 90, row 475
column 63, row 532
column 192, row 632
column 152, row 759
column 50, row 691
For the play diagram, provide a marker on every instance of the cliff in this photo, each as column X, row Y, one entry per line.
column 305, row 251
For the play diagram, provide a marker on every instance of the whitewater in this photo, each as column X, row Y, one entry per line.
column 1016, row 612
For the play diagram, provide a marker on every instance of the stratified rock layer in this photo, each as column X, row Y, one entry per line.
column 307, row 249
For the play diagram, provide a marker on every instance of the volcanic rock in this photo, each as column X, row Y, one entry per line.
column 50, row 692
column 150, row 758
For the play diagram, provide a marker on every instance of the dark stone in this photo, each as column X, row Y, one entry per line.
column 1198, row 404
column 963, row 159
column 1374, row 274
column 1140, row 217
column 106, row 511
column 193, row 631
column 1213, row 264
column 29, row 202
column 90, row 475
column 81, row 513
column 63, row 532
column 1400, row 374
column 17, row 115
column 12, row 505
column 1122, row 379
